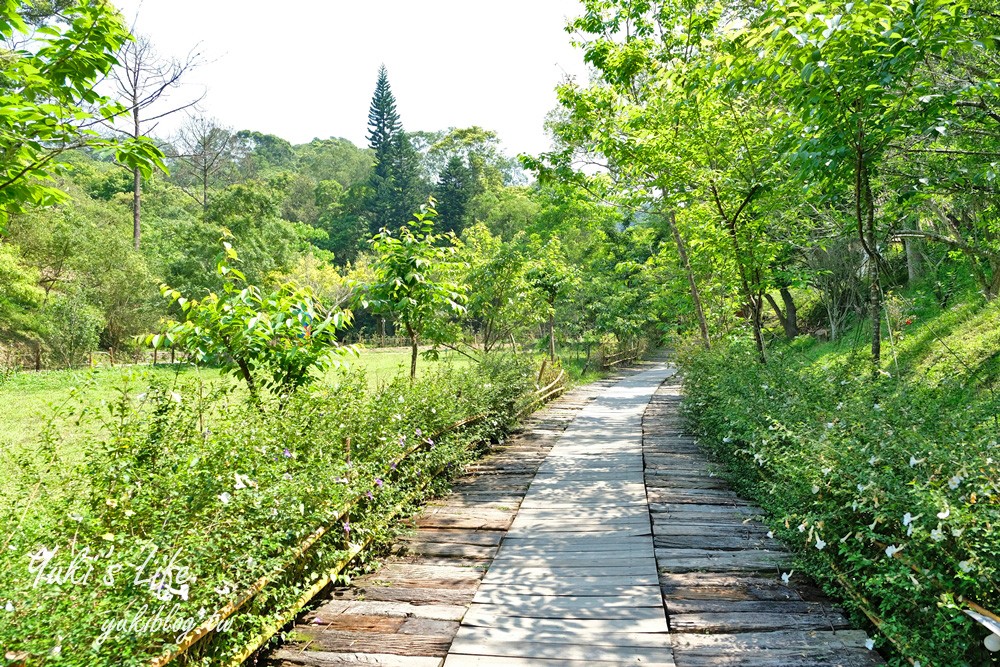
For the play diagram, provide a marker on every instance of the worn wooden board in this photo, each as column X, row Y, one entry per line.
column 720, row 573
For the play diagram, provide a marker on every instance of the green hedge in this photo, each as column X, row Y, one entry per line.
column 887, row 489
column 225, row 493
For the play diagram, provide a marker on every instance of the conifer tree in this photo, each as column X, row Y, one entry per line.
column 394, row 187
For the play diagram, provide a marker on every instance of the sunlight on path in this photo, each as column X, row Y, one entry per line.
column 575, row 578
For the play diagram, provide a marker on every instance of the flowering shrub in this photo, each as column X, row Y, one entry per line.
column 888, row 489
column 197, row 494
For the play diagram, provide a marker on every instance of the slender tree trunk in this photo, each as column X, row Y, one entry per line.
column 780, row 314
column 136, row 182
column 692, row 283
column 866, row 224
column 552, row 334
column 753, row 301
column 914, row 257
column 756, row 320
column 787, row 316
column 248, row 378
column 791, row 312
column 413, row 352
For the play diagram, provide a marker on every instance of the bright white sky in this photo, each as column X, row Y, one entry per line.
column 306, row 68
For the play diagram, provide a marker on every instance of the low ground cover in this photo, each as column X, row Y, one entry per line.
column 888, row 487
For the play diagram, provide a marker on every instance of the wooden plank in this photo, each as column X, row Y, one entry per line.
column 483, row 617
column 583, row 653
column 330, row 659
column 734, row 622
column 459, row 660
column 649, row 597
column 340, row 641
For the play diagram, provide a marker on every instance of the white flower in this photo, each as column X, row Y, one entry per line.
column 945, row 513
column 9, row 606
column 402, row 400
column 909, row 530
column 854, row 506
column 957, row 532
column 76, row 517
column 870, row 644
column 829, row 425
column 225, row 498
column 955, row 481
column 770, row 534
column 175, row 397
column 56, row 650
column 840, row 406
column 914, row 461
column 861, row 488
column 892, row 550
column 907, row 519
column 224, row 590
column 815, row 489
column 877, row 407
column 820, row 544
column 802, row 527
column 826, row 471
column 786, row 576
column 965, row 566
column 759, row 459
column 727, row 440
column 937, row 534
column 872, row 461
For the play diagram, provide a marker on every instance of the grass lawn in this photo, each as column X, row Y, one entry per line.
column 31, row 399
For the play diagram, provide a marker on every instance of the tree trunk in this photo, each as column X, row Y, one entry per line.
column 692, row 283
column 791, row 312
column 552, row 334
column 136, row 207
column 780, row 314
column 413, row 352
column 914, row 257
column 789, row 316
column 871, row 245
column 756, row 307
column 753, row 301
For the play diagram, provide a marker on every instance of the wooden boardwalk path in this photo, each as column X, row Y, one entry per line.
column 608, row 541
column 575, row 581
column 406, row 614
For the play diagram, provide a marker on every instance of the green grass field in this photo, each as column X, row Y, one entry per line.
column 31, row 399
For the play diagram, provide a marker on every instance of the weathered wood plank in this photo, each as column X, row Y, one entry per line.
column 287, row 657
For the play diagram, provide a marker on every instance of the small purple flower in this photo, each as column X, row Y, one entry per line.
column 378, row 482
column 347, row 527
column 420, row 433
column 287, row 453
column 371, row 496
column 402, row 440
column 393, row 466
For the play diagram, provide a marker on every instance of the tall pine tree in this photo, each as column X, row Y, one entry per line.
column 395, row 191
column 458, row 184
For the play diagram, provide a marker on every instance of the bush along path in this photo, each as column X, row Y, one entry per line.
column 406, row 612
column 731, row 593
